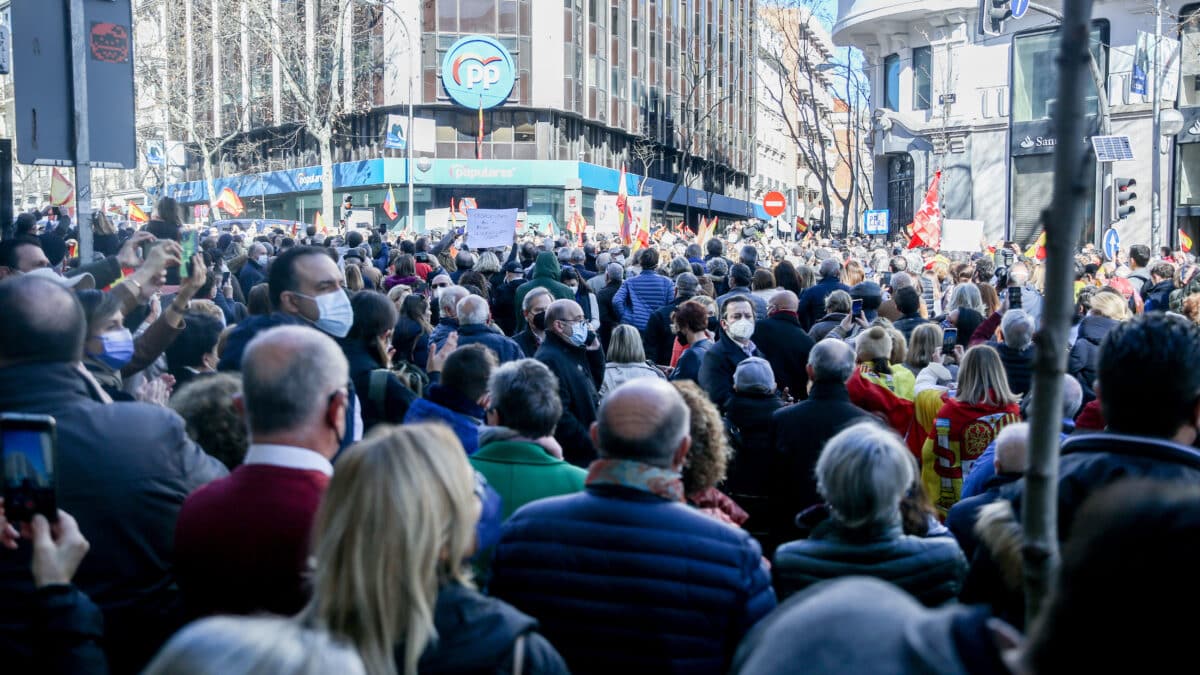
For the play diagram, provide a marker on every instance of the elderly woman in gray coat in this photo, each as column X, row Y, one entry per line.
column 863, row 473
column 626, row 359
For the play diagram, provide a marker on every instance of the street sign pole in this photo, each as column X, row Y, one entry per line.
column 83, row 167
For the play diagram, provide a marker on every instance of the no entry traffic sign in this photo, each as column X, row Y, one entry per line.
column 774, row 203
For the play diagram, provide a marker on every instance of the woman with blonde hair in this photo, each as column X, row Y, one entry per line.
column 853, row 273
column 1108, row 310
column 391, row 540
column 626, row 359
column 924, row 348
column 966, row 424
column 354, row 279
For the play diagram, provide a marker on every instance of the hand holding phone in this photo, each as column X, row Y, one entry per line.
column 27, row 449
column 949, row 340
column 190, row 243
column 1014, row 297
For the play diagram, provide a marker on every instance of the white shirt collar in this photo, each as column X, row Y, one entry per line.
column 289, row 457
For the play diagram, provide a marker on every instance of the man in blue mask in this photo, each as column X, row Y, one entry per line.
column 305, row 289
column 573, row 354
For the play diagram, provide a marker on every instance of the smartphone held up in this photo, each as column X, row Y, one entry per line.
column 27, row 455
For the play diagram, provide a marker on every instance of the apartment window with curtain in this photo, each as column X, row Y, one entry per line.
column 891, row 82
column 922, row 62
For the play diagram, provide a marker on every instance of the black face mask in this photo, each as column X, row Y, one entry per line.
column 539, row 321
column 713, row 324
column 681, row 339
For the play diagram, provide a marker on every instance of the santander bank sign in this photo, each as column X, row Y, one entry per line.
column 478, row 72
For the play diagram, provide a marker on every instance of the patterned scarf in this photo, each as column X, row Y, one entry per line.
column 628, row 473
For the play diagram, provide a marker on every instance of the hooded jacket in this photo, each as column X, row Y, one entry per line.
column 932, row 569
column 961, row 433
column 864, row 625
column 1085, row 353
column 546, row 274
column 476, row 634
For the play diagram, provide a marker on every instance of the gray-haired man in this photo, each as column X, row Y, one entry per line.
column 827, row 411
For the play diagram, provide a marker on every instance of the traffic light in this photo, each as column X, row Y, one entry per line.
column 1123, row 187
column 993, row 14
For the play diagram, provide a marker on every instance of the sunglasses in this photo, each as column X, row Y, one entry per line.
column 441, row 285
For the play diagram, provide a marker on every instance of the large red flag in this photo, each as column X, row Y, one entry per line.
column 927, row 224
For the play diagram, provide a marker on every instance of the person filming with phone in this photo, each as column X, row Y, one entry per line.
column 123, row 469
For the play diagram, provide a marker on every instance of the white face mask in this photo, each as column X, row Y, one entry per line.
column 261, row 260
column 335, row 316
column 741, row 330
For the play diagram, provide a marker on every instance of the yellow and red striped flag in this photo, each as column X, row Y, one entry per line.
column 136, row 214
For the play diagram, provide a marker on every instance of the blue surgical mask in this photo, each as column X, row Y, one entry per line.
column 335, row 316
column 579, row 333
column 116, row 348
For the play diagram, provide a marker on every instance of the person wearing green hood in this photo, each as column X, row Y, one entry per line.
column 546, row 274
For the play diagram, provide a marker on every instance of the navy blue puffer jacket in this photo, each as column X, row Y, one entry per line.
column 623, row 581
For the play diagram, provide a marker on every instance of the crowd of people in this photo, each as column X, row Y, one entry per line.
column 380, row 452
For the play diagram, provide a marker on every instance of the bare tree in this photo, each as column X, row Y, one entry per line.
column 312, row 66
column 696, row 114
column 798, row 88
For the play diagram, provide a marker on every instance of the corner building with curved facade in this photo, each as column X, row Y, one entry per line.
column 660, row 86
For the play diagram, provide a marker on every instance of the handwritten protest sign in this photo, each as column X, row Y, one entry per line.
column 490, row 228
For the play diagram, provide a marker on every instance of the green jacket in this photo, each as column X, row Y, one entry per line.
column 546, row 274
column 523, row 472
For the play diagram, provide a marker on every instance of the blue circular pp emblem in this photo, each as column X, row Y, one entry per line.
column 478, row 72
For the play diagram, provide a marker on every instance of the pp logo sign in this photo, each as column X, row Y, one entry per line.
column 478, row 72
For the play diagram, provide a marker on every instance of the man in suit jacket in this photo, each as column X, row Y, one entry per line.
column 784, row 344
column 827, row 411
column 242, row 542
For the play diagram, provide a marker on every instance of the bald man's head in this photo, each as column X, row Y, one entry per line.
column 43, row 322
column 645, row 420
column 289, row 374
column 784, row 301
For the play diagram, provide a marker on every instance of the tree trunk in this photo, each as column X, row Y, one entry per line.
column 207, row 167
column 1062, row 222
column 324, row 138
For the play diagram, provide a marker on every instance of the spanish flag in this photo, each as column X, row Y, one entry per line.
column 1038, row 250
column 1185, row 242
column 62, row 193
column 136, row 214
column 229, row 202
column 319, row 223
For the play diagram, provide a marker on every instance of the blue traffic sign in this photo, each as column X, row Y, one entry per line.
column 1112, row 243
column 1019, row 7
column 875, row 222
column 478, row 72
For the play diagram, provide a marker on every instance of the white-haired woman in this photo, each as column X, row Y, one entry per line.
column 228, row 645
column 392, row 535
column 863, row 473
column 966, row 424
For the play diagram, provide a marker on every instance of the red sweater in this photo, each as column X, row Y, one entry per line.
column 242, row 542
